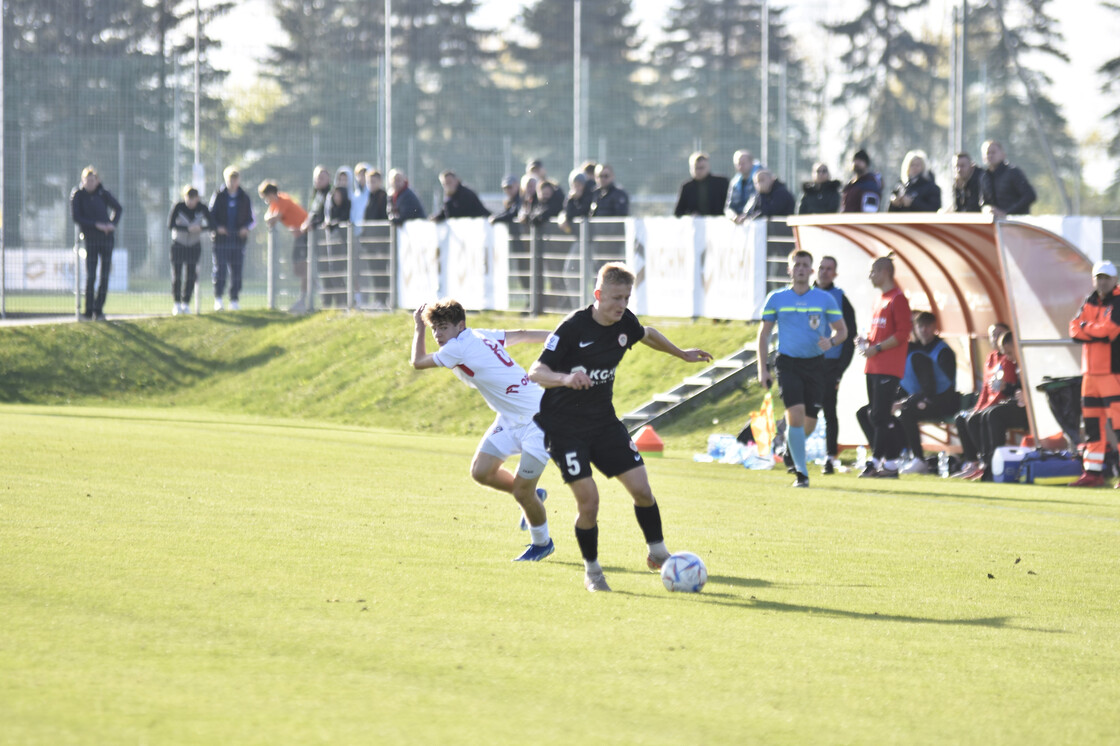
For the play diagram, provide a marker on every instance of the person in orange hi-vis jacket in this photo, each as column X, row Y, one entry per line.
column 1097, row 327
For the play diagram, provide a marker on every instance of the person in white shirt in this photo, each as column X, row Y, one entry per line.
column 479, row 358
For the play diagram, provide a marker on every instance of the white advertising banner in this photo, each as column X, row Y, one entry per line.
column 52, row 270
column 733, row 270
column 467, row 254
column 418, row 260
column 663, row 252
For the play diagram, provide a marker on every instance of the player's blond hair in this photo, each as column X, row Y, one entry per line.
column 445, row 310
column 614, row 273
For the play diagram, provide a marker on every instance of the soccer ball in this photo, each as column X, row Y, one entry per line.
column 684, row 571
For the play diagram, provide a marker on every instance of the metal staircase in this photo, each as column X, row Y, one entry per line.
column 714, row 382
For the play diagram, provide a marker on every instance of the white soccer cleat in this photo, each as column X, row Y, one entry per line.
column 596, row 582
column 217, row 304
column 177, row 309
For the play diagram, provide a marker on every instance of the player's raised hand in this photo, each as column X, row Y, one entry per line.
column 418, row 315
column 695, row 356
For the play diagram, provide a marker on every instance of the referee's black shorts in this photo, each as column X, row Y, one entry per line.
column 801, row 381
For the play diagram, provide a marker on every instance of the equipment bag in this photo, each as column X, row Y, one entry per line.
column 1049, row 467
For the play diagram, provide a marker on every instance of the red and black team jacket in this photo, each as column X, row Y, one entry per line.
column 1096, row 327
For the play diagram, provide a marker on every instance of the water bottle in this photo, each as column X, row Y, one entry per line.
column 943, row 464
column 861, row 457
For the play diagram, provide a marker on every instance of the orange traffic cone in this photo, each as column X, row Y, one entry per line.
column 649, row 442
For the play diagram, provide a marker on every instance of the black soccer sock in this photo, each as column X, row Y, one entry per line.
column 650, row 521
column 588, row 540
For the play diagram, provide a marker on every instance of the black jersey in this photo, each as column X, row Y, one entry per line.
column 580, row 342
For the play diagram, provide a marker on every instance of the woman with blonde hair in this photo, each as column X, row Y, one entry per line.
column 916, row 190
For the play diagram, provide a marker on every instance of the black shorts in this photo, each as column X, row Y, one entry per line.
column 801, row 381
column 609, row 447
column 299, row 248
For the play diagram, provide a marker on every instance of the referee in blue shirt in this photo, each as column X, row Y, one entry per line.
column 811, row 324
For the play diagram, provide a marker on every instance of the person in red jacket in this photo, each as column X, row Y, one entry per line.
column 1096, row 327
column 885, row 350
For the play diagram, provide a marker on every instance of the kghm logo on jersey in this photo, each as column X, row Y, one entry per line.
column 597, row 376
column 621, row 341
column 814, row 321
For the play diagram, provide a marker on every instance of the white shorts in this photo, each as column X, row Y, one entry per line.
column 504, row 439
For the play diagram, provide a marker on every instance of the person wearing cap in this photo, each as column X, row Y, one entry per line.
column 511, row 203
column 864, row 192
column 1097, row 327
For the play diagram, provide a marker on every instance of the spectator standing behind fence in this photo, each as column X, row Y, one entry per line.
column 929, row 386
column 528, row 198
column 90, row 207
column 377, row 206
column 608, row 200
column 987, row 428
column 916, row 191
column 338, row 214
column 1004, row 189
column 966, row 184
column 458, row 200
column 771, row 198
column 885, row 350
column 549, row 203
column 404, row 204
column 359, row 194
column 511, row 202
column 231, row 213
column 864, row 192
column 742, row 187
column 1097, row 328
column 578, row 203
column 821, row 195
column 703, row 194
column 186, row 221
column 836, row 359
column 282, row 208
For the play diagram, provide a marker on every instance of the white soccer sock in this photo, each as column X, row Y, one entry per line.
column 539, row 534
column 593, row 567
column 657, row 549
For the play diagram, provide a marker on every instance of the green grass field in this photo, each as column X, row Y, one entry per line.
column 172, row 571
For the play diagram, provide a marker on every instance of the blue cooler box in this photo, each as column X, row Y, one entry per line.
column 1049, row 467
column 1006, row 462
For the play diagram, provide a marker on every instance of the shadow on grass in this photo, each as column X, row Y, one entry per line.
column 968, row 496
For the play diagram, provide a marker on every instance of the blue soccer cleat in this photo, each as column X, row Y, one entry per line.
column 525, row 521
column 536, row 553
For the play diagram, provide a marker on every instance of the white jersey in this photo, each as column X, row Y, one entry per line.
column 479, row 358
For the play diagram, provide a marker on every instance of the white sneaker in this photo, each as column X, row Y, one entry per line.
column 915, row 466
column 217, row 304
column 234, row 305
column 177, row 309
column 186, row 308
column 595, row 583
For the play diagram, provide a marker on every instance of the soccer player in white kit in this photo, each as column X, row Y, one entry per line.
column 479, row 358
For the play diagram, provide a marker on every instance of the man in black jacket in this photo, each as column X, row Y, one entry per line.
column 1004, row 189
column 771, row 199
column 836, row 359
column 966, row 185
column 608, row 200
column 458, row 200
column 90, row 207
column 821, row 195
column 703, row 194
column 231, row 213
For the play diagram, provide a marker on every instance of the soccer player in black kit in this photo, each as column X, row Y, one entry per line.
column 576, row 370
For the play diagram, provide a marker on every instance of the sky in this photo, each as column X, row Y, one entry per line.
column 1090, row 32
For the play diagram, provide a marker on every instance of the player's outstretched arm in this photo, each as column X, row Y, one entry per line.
column 661, row 343
column 420, row 358
column 547, row 378
column 518, row 336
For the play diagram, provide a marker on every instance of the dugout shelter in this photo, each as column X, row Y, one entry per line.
column 970, row 270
